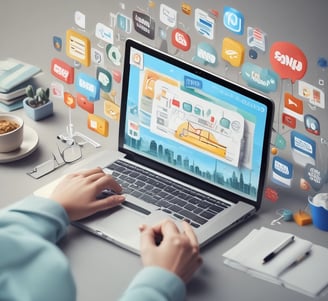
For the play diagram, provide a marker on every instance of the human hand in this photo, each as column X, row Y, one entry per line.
column 77, row 193
column 177, row 252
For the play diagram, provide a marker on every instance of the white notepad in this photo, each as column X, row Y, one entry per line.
column 310, row 277
column 291, row 267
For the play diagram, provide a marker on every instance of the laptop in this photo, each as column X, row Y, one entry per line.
column 192, row 146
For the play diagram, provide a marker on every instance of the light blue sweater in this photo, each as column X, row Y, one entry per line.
column 33, row 268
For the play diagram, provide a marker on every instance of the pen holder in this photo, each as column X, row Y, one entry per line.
column 319, row 216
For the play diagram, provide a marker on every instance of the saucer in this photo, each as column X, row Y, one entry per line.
column 29, row 144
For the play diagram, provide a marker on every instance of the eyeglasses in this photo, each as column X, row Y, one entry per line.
column 69, row 154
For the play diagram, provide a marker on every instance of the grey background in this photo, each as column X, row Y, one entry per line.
column 102, row 271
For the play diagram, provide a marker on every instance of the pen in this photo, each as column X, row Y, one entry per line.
column 278, row 249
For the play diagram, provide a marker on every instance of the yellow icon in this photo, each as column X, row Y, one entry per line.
column 151, row 4
column 186, row 8
column 78, row 47
column 112, row 110
column 98, row 124
column 233, row 52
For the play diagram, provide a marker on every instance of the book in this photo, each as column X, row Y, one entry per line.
column 14, row 72
column 14, row 105
column 292, row 267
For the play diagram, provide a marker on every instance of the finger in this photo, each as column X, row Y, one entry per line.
column 108, row 182
column 89, row 172
column 190, row 233
column 147, row 237
column 168, row 227
column 107, row 203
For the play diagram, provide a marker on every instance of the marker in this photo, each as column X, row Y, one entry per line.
column 278, row 249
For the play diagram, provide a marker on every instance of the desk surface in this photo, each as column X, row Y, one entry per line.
column 102, row 270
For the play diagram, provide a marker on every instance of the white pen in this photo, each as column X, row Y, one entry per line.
column 278, row 249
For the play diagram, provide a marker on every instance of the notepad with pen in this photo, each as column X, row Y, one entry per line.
column 281, row 258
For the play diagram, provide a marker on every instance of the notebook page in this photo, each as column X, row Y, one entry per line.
column 249, row 253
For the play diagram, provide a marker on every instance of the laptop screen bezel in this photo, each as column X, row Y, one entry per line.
column 171, row 172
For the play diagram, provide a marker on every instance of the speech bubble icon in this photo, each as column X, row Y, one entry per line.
column 315, row 176
column 105, row 79
column 288, row 60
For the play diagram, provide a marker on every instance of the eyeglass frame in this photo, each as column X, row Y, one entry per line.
column 55, row 162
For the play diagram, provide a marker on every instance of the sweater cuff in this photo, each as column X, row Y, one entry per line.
column 163, row 281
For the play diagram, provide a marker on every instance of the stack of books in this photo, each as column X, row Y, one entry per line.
column 14, row 77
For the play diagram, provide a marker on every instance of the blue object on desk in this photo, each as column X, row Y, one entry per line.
column 319, row 215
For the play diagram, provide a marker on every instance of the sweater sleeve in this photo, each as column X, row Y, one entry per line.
column 41, row 216
column 155, row 284
column 32, row 267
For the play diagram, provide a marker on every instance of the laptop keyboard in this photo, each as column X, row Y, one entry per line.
column 170, row 197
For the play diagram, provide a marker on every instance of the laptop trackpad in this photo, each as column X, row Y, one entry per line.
column 121, row 225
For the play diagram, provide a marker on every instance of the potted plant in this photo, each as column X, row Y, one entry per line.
column 37, row 104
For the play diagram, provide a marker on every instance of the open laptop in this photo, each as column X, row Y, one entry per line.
column 192, row 146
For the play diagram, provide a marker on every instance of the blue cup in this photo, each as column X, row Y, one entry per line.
column 319, row 216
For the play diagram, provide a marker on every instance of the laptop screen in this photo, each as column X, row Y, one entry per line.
column 193, row 125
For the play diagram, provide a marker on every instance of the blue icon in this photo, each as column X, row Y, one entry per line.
column 105, row 79
column 124, row 23
column 259, row 78
column 206, row 54
column 87, row 86
column 312, row 124
column 303, row 144
column 280, row 142
column 58, row 43
column 282, row 171
column 204, row 24
column 233, row 20
column 252, row 54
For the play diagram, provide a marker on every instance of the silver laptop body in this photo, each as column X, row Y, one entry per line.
column 179, row 123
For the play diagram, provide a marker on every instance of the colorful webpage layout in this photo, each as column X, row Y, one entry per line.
column 194, row 125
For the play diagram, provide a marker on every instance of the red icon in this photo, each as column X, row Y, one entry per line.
column 181, row 39
column 294, row 104
column 288, row 120
column 271, row 194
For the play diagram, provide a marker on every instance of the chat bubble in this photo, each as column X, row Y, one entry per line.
column 144, row 24
column 206, row 54
column 288, row 60
column 282, row 172
column 315, row 176
column 88, row 86
column 259, row 78
column 303, row 144
column 105, row 79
